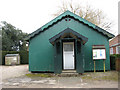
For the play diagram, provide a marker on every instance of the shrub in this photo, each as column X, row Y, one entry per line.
column 113, row 61
column 24, row 57
column 117, row 55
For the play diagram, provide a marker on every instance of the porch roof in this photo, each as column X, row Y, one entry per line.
column 68, row 32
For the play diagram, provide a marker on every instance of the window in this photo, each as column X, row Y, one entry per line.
column 117, row 49
column 68, row 47
column 111, row 50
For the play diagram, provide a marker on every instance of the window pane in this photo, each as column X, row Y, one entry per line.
column 118, row 49
column 68, row 47
column 111, row 50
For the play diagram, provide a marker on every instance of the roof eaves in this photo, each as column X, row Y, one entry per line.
column 68, row 13
column 46, row 25
column 104, row 32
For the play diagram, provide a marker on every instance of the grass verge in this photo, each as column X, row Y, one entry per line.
column 38, row 75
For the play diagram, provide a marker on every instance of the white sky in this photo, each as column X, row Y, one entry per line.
column 29, row 15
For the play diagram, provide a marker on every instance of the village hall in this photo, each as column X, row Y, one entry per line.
column 69, row 42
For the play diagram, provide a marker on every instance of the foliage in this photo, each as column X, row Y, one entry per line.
column 92, row 15
column 113, row 60
column 23, row 56
column 115, row 55
column 12, row 38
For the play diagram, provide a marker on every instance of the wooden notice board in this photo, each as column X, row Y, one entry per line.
column 99, row 53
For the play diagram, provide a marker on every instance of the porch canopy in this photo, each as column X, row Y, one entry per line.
column 68, row 34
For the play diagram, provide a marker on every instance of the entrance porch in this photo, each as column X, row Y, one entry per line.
column 68, row 51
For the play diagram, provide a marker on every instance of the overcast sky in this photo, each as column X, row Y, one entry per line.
column 29, row 15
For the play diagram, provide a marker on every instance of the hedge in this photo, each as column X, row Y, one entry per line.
column 116, row 55
column 113, row 60
column 23, row 56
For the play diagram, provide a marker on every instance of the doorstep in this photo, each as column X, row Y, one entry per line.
column 69, row 71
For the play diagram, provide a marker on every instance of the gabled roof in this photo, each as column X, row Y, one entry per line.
column 69, row 32
column 67, row 14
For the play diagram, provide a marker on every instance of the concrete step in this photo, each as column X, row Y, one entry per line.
column 69, row 71
column 69, row 74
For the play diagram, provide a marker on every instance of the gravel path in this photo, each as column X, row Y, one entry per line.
column 13, row 71
column 14, row 77
column 57, row 82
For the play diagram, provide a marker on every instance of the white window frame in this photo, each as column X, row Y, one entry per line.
column 117, row 49
column 111, row 50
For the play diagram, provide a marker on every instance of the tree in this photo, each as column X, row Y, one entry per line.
column 94, row 16
column 12, row 38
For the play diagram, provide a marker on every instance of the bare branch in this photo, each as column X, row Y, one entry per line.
column 94, row 16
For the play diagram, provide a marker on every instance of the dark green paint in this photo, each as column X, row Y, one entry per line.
column 76, row 17
column 67, row 33
column 58, row 57
column 79, row 57
column 42, row 52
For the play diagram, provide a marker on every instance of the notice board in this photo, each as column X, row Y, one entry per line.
column 99, row 53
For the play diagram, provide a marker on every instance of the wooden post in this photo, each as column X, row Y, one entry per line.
column 104, row 64
column 94, row 65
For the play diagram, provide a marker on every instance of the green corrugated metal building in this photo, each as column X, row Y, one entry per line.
column 65, row 43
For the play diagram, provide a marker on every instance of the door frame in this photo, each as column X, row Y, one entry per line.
column 63, row 55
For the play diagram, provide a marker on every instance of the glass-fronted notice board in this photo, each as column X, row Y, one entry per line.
column 99, row 54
